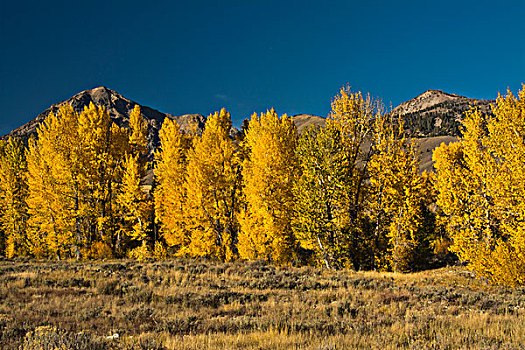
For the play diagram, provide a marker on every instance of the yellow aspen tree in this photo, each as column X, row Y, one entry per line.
column 463, row 173
column 212, row 186
column 104, row 146
column 119, row 147
column 507, row 184
column 461, row 191
column 135, row 207
column 69, row 170
column 51, row 182
column 360, row 198
column 38, row 180
column 138, row 129
column 133, row 203
column 13, row 194
column 269, row 172
column 320, row 209
column 479, row 182
column 75, row 171
column 94, row 131
column 353, row 116
column 396, row 198
column 170, row 190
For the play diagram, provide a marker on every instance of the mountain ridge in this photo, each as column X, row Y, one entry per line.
column 119, row 109
column 436, row 106
column 431, row 117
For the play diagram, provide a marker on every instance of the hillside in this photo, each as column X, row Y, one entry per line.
column 425, row 147
column 437, row 113
column 302, row 121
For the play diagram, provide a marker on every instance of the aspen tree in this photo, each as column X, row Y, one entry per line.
column 138, row 129
column 462, row 171
column 320, row 209
column 212, row 186
column 104, row 146
column 396, row 196
column 38, row 200
column 52, row 178
column 94, row 131
column 360, row 196
column 134, row 205
column 269, row 172
column 353, row 116
column 170, row 192
column 73, row 169
column 506, row 142
column 331, row 216
column 13, row 193
column 480, row 181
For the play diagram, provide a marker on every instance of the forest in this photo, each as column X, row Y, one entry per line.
column 346, row 196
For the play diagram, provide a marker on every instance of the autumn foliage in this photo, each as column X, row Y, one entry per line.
column 268, row 174
column 347, row 195
column 480, row 182
column 360, row 195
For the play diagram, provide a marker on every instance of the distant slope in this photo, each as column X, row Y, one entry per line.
column 425, row 146
column 302, row 121
column 437, row 113
column 119, row 108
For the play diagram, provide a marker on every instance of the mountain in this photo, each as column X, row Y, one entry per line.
column 431, row 114
column 432, row 117
column 118, row 108
column 437, row 113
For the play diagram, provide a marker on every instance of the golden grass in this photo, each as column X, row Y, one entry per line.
column 188, row 304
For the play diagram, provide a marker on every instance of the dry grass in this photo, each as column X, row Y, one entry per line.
column 188, row 304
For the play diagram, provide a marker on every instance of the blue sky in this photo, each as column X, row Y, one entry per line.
column 198, row 56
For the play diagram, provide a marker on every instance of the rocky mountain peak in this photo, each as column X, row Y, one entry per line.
column 437, row 93
column 437, row 113
column 427, row 99
column 117, row 105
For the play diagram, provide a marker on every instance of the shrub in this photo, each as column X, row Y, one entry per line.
column 100, row 250
column 140, row 253
column 48, row 337
column 160, row 251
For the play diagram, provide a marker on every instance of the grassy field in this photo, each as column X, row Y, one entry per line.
column 188, row 304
